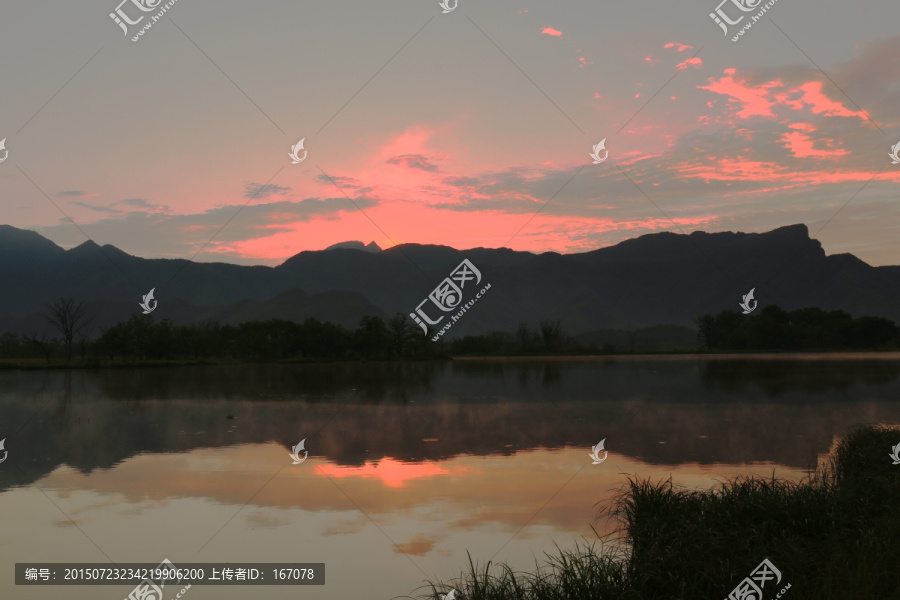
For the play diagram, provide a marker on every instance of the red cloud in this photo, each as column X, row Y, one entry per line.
column 551, row 31
column 753, row 100
column 779, row 177
column 801, row 145
column 691, row 62
column 759, row 100
column 678, row 47
column 812, row 96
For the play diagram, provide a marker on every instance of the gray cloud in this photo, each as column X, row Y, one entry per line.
column 342, row 181
column 413, row 161
column 104, row 209
column 138, row 202
column 256, row 190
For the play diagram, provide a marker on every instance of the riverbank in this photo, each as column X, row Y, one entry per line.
column 702, row 356
column 834, row 535
column 42, row 364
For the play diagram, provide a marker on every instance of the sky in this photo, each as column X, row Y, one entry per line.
column 471, row 128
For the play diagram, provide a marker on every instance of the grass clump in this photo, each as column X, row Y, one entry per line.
column 835, row 535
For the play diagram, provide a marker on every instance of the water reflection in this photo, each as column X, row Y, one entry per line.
column 665, row 412
column 410, row 465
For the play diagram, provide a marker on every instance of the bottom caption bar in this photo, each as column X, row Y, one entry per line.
column 154, row 577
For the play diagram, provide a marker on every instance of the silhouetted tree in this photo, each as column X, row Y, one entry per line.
column 69, row 318
column 372, row 337
column 402, row 333
column 139, row 328
column 551, row 333
column 805, row 329
column 113, row 342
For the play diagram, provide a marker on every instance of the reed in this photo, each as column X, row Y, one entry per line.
column 834, row 535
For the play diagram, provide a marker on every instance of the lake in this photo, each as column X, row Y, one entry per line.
column 409, row 465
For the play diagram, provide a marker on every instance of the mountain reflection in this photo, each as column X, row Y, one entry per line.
column 379, row 419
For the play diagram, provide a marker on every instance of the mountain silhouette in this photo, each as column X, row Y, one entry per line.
column 661, row 278
column 370, row 247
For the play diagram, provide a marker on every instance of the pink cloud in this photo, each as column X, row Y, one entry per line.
column 801, row 144
column 753, row 100
column 737, row 169
column 651, row 60
column 678, row 47
column 760, row 99
column 551, row 31
column 812, row 96
column 691, row 62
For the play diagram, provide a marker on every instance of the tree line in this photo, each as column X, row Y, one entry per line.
column 141, row 337
column 808, row 329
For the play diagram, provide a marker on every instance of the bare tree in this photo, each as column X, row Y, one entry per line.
column 551, row 334
column 69, row 318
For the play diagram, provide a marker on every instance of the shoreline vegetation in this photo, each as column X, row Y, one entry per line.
column 834, row 535
column 41, row 364
column 142, row 341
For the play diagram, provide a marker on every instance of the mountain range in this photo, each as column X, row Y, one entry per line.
column 661, row 278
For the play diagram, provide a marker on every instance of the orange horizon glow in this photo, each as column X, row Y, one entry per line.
column 390, row 472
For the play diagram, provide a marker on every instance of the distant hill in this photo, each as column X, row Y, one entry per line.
column 662, row 278
column 370, row 247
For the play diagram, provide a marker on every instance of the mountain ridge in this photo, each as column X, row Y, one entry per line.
column 658, row 278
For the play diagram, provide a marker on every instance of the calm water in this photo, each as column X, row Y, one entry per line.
column 409, row 465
